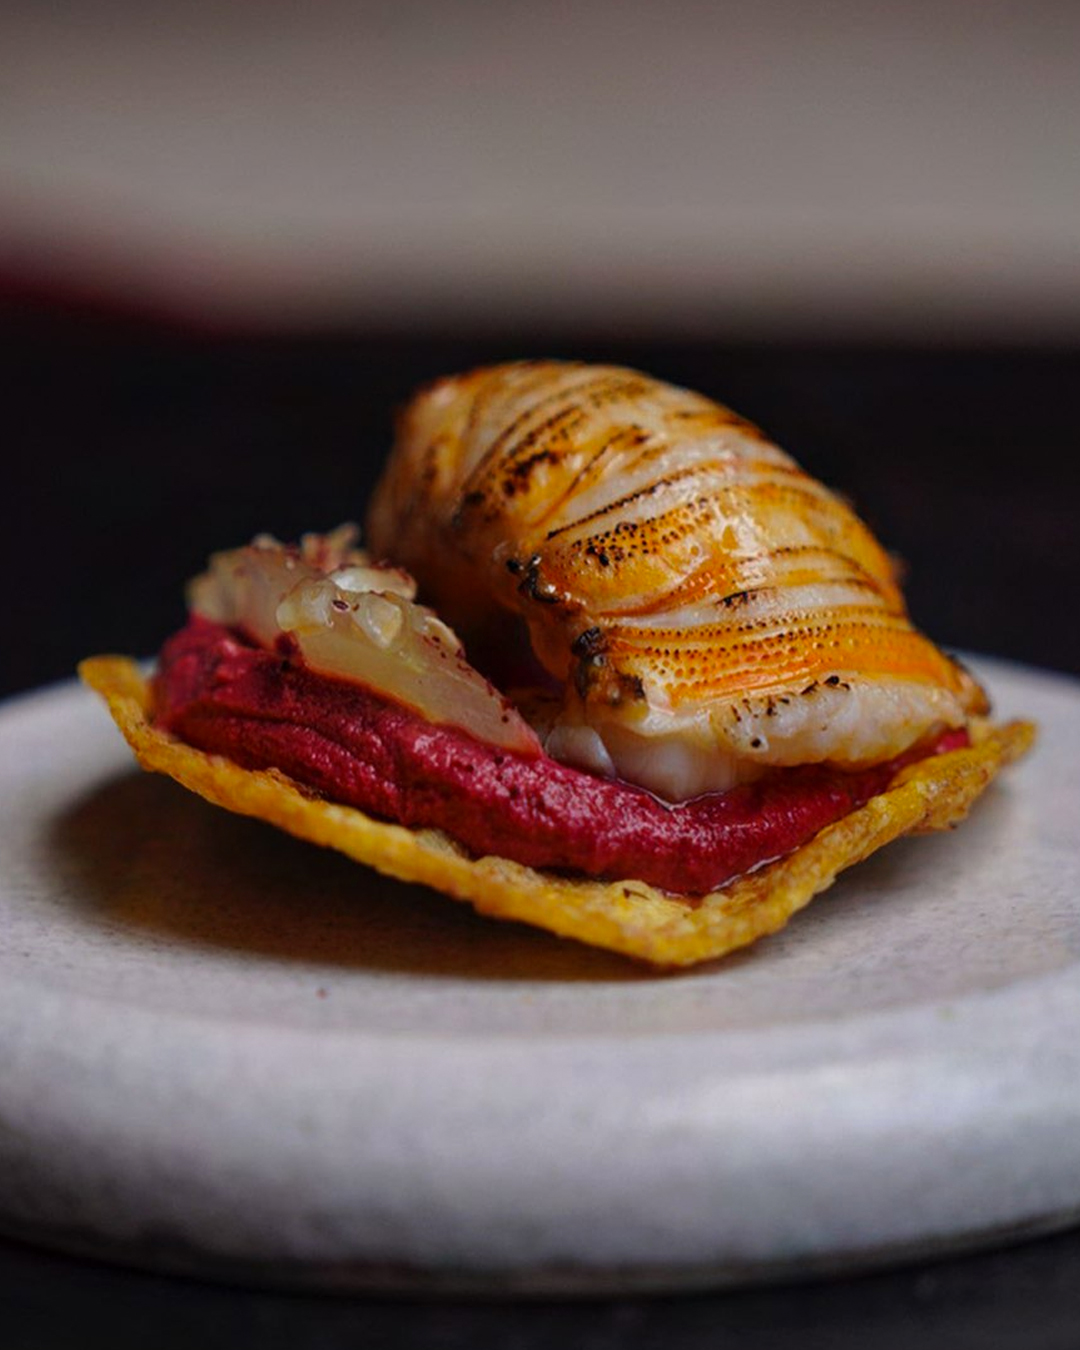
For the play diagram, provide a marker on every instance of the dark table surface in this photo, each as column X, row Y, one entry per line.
column 138, row 449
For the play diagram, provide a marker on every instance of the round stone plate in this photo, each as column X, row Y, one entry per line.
column 226, row 1052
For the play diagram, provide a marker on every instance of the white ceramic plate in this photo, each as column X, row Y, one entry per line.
column 225, row 1051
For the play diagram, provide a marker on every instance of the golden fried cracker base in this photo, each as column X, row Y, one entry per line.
column 623, row 916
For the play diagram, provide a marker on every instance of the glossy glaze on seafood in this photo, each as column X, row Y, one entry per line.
column 705, row 608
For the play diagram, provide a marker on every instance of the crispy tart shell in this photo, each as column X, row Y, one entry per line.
column 624, row 916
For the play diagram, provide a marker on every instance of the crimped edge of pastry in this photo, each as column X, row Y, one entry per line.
column 629, row 916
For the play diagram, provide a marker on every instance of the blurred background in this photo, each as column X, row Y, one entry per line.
column 233, row 237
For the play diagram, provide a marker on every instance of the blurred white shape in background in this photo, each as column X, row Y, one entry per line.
column 764, row 168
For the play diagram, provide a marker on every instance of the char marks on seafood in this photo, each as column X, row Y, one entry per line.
column 708, row 609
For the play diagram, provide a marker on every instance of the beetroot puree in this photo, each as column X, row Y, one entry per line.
column 261, row 708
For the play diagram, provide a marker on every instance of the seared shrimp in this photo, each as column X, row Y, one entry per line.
column 708, row 609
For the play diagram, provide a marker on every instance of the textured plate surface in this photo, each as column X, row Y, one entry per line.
column 225, row 1051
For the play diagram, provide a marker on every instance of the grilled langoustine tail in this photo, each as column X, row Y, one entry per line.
column 707, row 609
